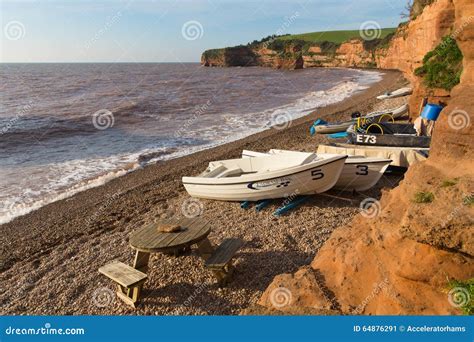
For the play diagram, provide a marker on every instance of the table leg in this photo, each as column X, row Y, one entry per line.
column 141, row 261
column 205, row 248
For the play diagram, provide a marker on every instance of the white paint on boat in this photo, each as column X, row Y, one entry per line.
column 396, row 93
column 359, row 173
column 266, row 177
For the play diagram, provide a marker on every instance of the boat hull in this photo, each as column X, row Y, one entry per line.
column 400, row 156
column 358, row 173
column 334, row 127
column 389, row 140
column 397, row 93
column 306, row 180
column 361, row 174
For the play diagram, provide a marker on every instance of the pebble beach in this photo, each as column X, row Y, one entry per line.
column 49, row 258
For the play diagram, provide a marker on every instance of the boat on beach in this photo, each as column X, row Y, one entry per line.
column 378, row 116
column 359, row 173
column 401, row 156
column 266, row 177
column 396, row 93
column 388, row 134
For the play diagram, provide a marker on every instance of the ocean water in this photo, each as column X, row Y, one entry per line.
column 65, row 128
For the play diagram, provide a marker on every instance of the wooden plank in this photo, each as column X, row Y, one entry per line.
column 127, row 300
column 192, row 233
column 150, row 239
column 194, row 236
column 224, row 253
column 122, row 274
column 140, row 236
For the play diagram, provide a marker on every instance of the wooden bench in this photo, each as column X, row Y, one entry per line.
column 130, row 281
column 220, row 261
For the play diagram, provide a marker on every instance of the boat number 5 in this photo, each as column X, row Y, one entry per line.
column 362, row 170
column 317, row 174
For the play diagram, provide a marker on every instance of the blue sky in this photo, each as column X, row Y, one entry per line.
column 155, row 31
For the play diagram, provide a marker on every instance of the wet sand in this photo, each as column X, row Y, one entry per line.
column 50, row 257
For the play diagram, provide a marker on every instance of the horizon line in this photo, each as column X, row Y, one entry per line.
column 78, row 62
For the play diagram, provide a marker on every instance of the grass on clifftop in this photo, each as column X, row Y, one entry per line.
column 442, row 67
column 449, row 182
column 423, row 197
column 337, row 37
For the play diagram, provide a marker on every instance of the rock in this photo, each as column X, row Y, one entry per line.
column 414, row 248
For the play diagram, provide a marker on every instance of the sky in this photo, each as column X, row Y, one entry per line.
column 168, row 30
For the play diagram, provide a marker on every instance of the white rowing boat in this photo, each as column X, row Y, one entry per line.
column 359, row 173
column 266, row 177
column 396, row 93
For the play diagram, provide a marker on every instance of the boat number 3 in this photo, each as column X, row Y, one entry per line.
column 371, row 139
column 317, row 174
column 362, row 170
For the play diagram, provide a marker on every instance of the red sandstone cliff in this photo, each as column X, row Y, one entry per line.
column 405, row 51
column 400, row 261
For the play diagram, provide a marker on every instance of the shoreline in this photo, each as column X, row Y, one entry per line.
column 85, row 231
column 311, row 101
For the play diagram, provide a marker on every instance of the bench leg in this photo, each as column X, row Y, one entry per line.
column 130, row 296
column 205, row 249
column 141, row 261
column 127, row 300
column 224, row 275
column 221, row 277
column 136, row 293
column 122, row 289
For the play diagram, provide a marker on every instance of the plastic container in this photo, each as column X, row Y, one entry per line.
column 431, row 111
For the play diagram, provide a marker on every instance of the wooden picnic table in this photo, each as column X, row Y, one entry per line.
column 149, row 239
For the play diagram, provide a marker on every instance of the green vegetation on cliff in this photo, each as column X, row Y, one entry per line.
column 289, row 48
column 212, row 53
column 442, row 67
column 337, row 37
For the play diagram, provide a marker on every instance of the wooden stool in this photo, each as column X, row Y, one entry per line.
column 220, row 260
column 130, row 281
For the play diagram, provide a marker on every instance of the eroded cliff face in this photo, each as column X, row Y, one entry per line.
column 349, row 54
column 405, row 51
column 400, row 261
column 412, row 42
column 229, row 57
column 247, row 56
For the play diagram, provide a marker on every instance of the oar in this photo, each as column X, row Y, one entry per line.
column 293, row 204
column 245, row 204
column 262, row 205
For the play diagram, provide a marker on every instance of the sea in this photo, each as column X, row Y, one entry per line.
column 65, row 128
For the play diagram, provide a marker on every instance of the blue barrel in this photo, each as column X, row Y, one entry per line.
column 431, row 111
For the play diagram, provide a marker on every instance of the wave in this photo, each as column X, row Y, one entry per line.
column 14, row 206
